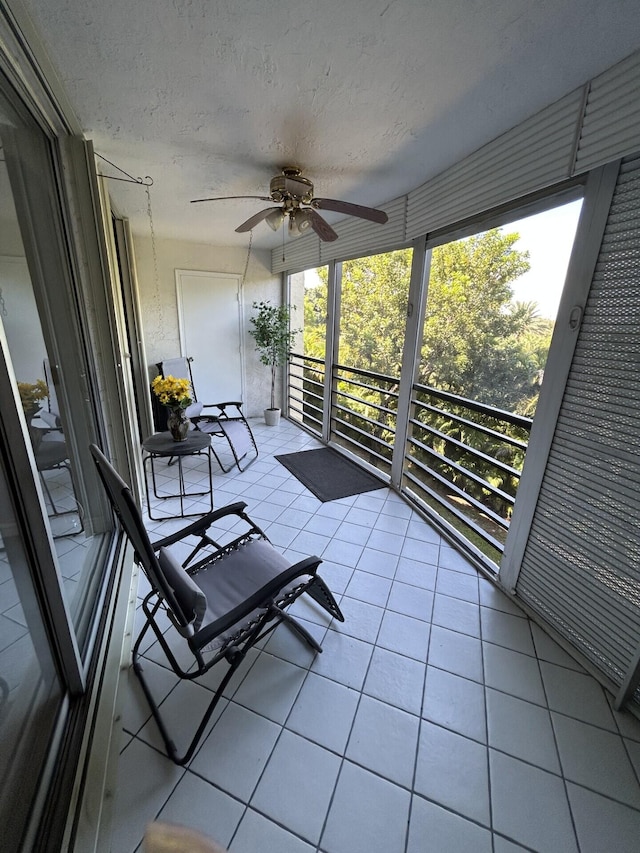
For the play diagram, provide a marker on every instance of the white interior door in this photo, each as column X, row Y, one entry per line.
column 209, row 313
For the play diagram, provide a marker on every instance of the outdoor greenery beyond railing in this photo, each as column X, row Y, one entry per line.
column 364, row 408
column 463, row 459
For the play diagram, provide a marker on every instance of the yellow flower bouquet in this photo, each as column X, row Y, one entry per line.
column 172, row 392
column 30, row 395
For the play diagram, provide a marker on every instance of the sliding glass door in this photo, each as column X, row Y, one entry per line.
column 56, row 530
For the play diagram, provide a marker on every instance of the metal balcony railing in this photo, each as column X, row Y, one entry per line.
column 306, row 391
column 464, row 459
column 460, row 458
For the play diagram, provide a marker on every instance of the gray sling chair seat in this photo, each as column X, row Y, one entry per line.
column 221, row 600
column 224, row 420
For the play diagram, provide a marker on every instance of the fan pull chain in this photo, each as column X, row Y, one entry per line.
column 246, row 266
column 160, row 331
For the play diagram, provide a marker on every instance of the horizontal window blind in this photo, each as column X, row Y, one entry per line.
column 567, row 138
column 532, row 156
column 581, row 565
column 301, row 253
column 611, row 123
column 356, row 237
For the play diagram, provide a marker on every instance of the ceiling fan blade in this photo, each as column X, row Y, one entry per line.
column 370, row 213
column 233, row 198
column 252, row 221
column 321, row 227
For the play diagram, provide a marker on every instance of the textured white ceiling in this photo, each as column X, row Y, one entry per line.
column 370, row 97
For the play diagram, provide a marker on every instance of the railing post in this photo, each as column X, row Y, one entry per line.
column 332, row 343
column 418, row 287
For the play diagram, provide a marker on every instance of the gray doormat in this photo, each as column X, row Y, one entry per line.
column 328, row 474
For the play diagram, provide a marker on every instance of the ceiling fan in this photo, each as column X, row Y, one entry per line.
column 293, row 194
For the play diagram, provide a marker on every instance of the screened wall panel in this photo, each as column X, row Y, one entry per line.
column 581, row 565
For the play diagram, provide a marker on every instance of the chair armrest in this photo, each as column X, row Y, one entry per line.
column 222, row 406
column 201, row 525
column 307, row 566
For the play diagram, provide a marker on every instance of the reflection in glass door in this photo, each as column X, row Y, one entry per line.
column 37, row 314
column 30, row 689
column 56, row 528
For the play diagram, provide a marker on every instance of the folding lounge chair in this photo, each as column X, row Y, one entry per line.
column 50, row 451
column 220, row 600
column 226, row 421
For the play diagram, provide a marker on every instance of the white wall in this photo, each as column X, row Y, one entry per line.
column 159, row 307
column 21, row 321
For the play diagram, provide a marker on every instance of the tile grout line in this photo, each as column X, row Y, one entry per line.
column 486, row 729
column 343, row 757
column 555, row 741
column 420, row 717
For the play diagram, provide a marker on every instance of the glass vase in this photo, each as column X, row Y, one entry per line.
column 178, row 424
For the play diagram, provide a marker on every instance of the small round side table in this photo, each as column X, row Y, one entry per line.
column 162, row 446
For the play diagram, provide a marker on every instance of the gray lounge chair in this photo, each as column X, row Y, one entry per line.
column 222, row 420
column 220, row 601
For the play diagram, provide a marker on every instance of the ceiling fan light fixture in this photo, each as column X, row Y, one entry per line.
column 275, row 219
column 290, row 190
column 300, row 221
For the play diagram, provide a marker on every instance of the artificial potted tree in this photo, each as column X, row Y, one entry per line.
column 274, row 340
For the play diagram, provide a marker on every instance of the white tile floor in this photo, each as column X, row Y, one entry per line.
column 438, row 718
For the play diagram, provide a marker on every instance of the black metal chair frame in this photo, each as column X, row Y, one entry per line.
column 223, row 424
column 53, row 456
column 238, row 629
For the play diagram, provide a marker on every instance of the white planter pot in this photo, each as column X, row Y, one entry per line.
column 272, row 417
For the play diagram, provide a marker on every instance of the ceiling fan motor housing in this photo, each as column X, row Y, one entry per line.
column 290, row 185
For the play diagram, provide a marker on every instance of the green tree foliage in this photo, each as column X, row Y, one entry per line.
column 374, row 311
column 315, row 318
column 471, row 341
column 477, row 343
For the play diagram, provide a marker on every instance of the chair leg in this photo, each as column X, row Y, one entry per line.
column 48, row 493
column 297, row 627
column 234, row 657
column 172, row 750
column 217, row 458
